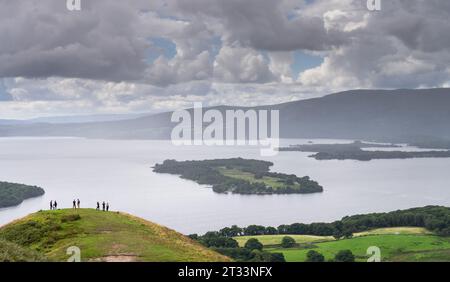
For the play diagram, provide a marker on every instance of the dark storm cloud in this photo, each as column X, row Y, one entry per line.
column 266, row 24
column 420, row 25
column 43, row 39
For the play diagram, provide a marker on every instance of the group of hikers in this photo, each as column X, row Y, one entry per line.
column 77, row 203
column 53, row 205
column 105, row 206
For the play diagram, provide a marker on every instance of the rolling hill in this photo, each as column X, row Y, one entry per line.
column 100, row 236
column 384, row 115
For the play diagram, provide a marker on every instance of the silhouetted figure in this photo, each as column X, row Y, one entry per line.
column 103, row 206
column 74, row 205
column 107, row 206
column 51, row 204
column 78, row 203
column 55, row 205
column 98, row 206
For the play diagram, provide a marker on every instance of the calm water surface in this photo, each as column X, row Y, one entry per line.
column 120, row 173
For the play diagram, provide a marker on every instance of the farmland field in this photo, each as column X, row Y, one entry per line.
column 395, row 243
column 250, row 177
column 268, row 240
column 393, row 247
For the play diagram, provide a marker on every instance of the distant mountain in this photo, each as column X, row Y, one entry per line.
column 384, row 115
column 85, row 118
column 11, row 121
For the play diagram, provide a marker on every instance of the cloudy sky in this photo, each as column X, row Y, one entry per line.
column 143, row 56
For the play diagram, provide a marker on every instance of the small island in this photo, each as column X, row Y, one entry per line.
column 240, row 176
column 354, row 151
column 13, row 194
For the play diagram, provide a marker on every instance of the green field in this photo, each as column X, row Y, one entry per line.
column 103, row 236
column 393, row 248
column 250, row 177
column 395, row 231
column 270, row 240
column 396, row 244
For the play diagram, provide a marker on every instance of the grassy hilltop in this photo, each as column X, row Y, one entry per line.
column 101, row 236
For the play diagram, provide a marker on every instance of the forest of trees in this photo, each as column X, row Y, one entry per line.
column 207, row 172
column 251, row 252
column 12, row 194
column 433, row 218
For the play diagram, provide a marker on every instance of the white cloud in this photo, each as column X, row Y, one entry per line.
column 241, row 65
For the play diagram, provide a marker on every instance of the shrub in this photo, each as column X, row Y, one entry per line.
column 314, row 256
column 344, row 256
column 288, row 242
column 253, row 244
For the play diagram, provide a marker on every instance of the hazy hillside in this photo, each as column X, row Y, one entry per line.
column 372, row 114
column 101, row 236
column 393, row 115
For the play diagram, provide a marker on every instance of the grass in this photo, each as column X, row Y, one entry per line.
column 271, row 240
column 395, row 231
column 250, row 177
column 10, row 252
column 396, row 244
column 393, row 248
column 103, row 236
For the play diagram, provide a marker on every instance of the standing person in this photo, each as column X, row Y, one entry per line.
column 103, row 205
column 107, row 206
column 55, row 205
column 78, row 203
column 51, row 204
column 74, row 204
column 98, row 206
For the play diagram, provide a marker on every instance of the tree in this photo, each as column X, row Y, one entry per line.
column 287, row 242
column 252, row 230
column 277, row 257
column 314, row 256
column 346, row 233
column 344, row 256
column 271, row 230
column 253, row 244
column 214, row 239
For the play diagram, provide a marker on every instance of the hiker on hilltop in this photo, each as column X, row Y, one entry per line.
column 103, row 206
column 107, row 206
column 98, row 206
column 55, row 205
column 74, row 205
column 51, row 204
column 78, row 203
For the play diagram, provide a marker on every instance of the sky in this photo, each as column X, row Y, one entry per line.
column 150, row 56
